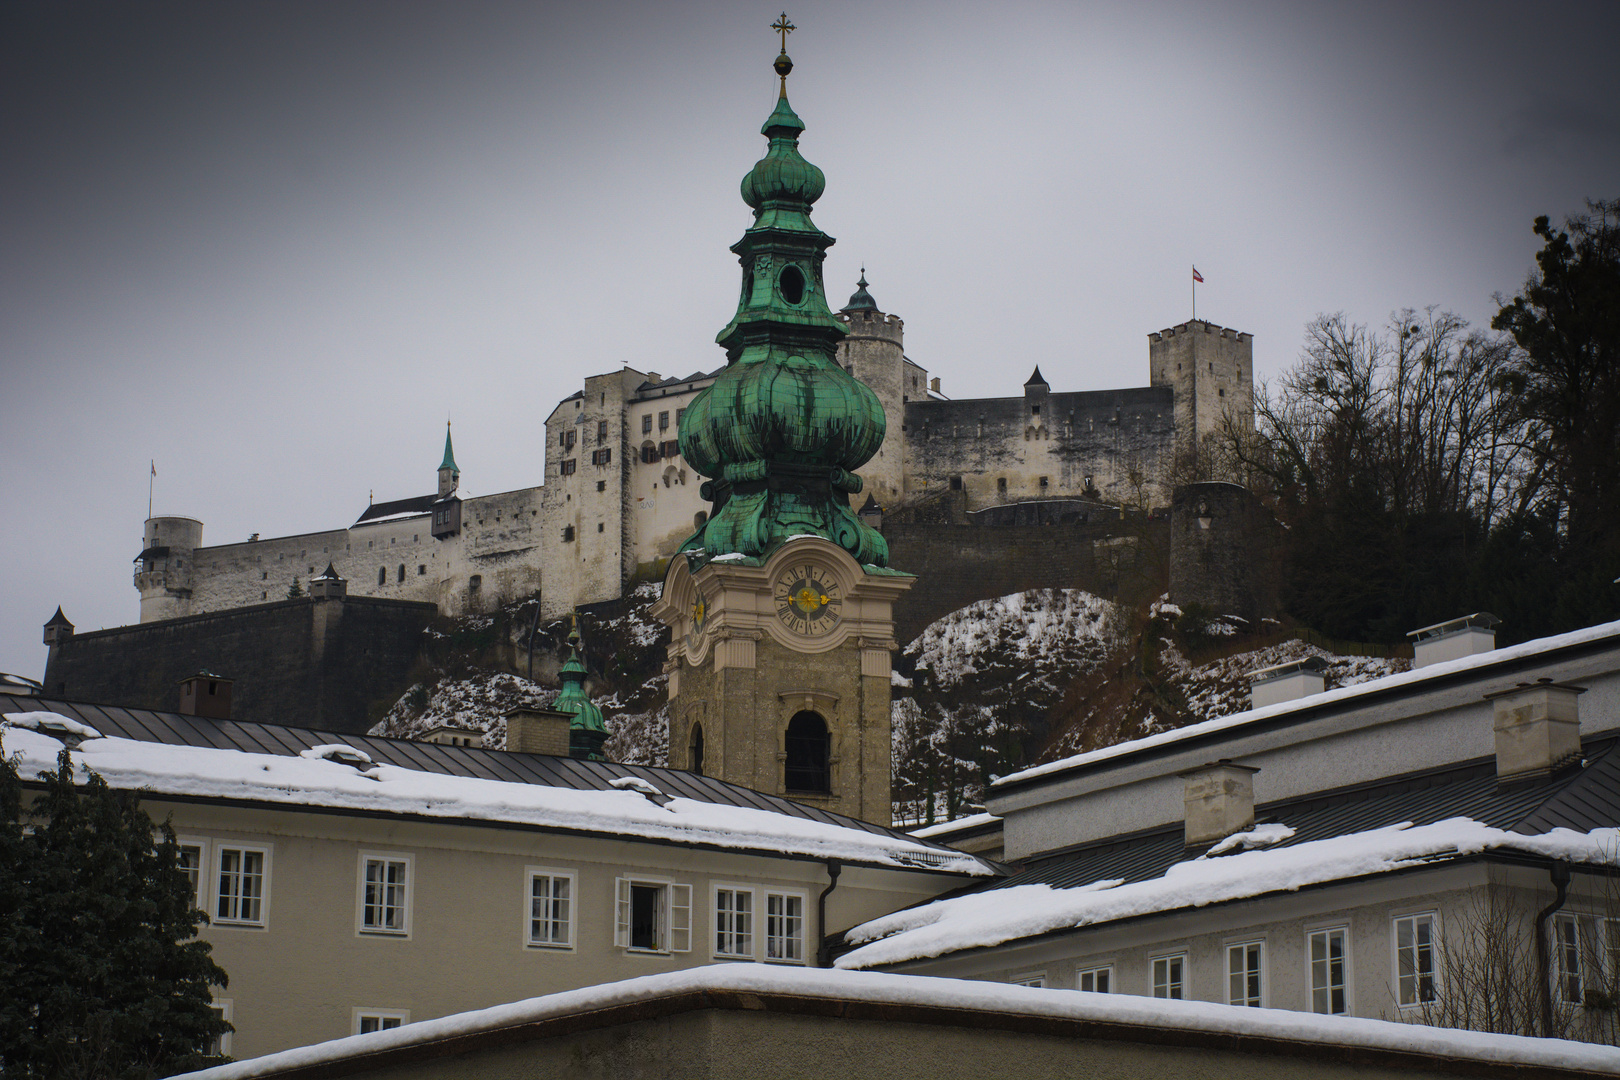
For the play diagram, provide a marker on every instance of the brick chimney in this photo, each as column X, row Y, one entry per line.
column 1467, row 636
column 1219, row 801
column 538, row 731
column 1538, row 729
column 1287, row 682
column 206, row 694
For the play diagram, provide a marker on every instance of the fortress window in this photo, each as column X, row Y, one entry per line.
column 566, row 468
column 1001, row 485
column 601, row 431
column 1221, row 391
column 402, row 572
column 1034, row 410
column 382, row 575
column 601, row 485
column 475, row 582
column 1044, row 481
column 807, row 745
column 568, row 534
column 421, row 570
column 646, row 424
column 956, row 483
column 264, row 575
column 601, row 527
column 678, row 414
column 663, row 421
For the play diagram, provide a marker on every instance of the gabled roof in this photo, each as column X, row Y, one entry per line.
column 421, row 504
column 1397, row 824
column 163, row 752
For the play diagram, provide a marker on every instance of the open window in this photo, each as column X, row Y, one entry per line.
column 808, row 747
column 652, row 916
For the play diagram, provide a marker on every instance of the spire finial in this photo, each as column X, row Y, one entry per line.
column 784, row 63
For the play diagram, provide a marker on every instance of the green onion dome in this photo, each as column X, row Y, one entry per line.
column 782, row 175
column 796, row 409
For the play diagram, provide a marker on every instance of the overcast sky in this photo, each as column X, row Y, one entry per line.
column 272, row 246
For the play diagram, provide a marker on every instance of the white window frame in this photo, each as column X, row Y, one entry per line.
column 1153, row 974
column 216, row 894
column 223, row 1006
column 734, row 923
column 364, row 1012
column 1104, row 971
column 674, row 929
column 1036, row 980
column 1568, row 944
column 530, row 873
column 799, row 941
column 201, row 894
column 1310, row 970
column 364, row 929
column 1252, row 992
column 1417, row 1002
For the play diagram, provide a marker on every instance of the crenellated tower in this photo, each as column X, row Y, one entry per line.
column 873, row 352
column 163, row 569
column 781, row 604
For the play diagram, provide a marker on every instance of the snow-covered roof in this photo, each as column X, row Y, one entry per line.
column 995, row 916
column 1344, row 694
column 312, row 778
column 742, row 985
column 947, row 828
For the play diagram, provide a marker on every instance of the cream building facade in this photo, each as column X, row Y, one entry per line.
column 368, row 883
column 1389, row 849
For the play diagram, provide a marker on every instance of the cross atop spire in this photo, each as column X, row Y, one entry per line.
column 784, row 63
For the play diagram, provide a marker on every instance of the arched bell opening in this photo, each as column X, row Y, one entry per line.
column 695, row 749
column 808, row 746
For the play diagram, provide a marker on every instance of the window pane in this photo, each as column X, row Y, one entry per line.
column 644, row 903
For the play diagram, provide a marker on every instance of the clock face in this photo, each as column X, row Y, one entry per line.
column 807, row 600
column 699, row 613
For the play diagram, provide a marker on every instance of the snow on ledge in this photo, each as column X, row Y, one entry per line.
column 160, row 769
column 944, row 827
column 1343, row 693
column 339, row 752
column 47, row 723
column 997, row 916
column 1152, row 1014
column 1260, row 836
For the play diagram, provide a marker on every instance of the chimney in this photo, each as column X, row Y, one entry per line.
column 1219, row 801
column 206, row 694
column 538, row 731
column 1467, row 636
column 1287, row 682
column 450, row 735
column 933, row 384
column 1538, row 729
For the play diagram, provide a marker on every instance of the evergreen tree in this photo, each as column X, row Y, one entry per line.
column 102, row 976
column 295, row 590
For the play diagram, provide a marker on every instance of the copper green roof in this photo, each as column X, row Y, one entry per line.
column 862, row 300
column 589, row 727
column 449, row 461
column 783, row 428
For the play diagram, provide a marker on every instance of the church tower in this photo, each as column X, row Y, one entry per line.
column 781, row 605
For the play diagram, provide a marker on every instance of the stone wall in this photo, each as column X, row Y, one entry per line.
column 999, row 450
column 957, row 565
column 1222, row 545
column 330, row 664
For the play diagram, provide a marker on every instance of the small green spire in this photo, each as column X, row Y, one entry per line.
column 588, row 730
column 862, row 300
column 449, row 461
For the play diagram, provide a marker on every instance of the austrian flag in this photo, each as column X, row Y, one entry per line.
column 1197, row 276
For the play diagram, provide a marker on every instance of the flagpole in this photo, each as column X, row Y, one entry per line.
column 149, row 481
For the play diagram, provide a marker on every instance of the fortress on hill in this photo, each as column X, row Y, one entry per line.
column 617, row 499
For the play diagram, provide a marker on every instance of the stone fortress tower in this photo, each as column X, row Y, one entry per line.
column 164, row 568
column 781, row 605
column 1210, row 370
column 873, row 351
